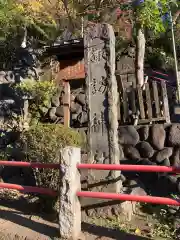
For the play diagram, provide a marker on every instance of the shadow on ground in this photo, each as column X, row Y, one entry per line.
column 109, row 233
column 19, row 212
column 41, row 228
column 17, row 216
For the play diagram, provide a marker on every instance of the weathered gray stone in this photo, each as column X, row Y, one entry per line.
column 121, row 153
column 174, row 135
column 163, row 154
column 74, row 116
column 55, row 101
column 157, row 135
column 167, row 185
column 175, row 158
column 144, row 133
column 128, row 136
column 82, row 117
column 165, row 162
column 145, row 149
column 148, row 178
column 173, row 210
column 128, row 209
column 72, row 98
column 132, row 153
column 173, row 179
column 75, row 107
column 70, row 208
column 60, row 111
column 101, row 95
column 81, row 99
column 52, row 114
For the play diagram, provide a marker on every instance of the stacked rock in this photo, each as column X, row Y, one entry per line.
column 78, row 108
column 153, row 145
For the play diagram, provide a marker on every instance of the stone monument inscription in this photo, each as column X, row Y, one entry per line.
column 102, row 96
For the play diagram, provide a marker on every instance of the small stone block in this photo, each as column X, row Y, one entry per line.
column 177, row 110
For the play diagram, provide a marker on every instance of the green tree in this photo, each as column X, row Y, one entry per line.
column 148, row 16
column 36, row 14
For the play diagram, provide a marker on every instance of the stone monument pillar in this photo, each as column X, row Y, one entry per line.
column 102, row 98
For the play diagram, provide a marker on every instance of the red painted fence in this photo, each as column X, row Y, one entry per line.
column 113, row 196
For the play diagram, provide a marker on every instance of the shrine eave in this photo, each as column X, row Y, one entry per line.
column 66, row 50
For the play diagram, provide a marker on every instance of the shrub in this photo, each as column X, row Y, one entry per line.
column 42, row 143
column 40, row 93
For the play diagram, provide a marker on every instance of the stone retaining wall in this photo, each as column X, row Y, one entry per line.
column 144, row 145
column 160, row 144
column 152, row 145
column 78, row 108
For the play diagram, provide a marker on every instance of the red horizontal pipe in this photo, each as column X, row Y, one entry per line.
column 30, row 164
column 160, row 73
column 161, row 79
column 127, row 197
column 124, row 167
column 28, row 189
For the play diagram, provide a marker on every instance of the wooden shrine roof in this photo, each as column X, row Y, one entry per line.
column 67, row 50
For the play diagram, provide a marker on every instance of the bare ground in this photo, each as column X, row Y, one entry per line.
column 23, row 220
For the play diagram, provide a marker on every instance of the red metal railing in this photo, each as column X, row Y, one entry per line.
column 28, row 189
column 134, row 168
column 30, row 164
column 113, row 196
column 128, row 197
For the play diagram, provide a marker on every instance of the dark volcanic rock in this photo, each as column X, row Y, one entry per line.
column 128, row 136
column 131, row 152
column 166, row 185
column 165, row 162
column 82, row 117
column 75, row 107
column 81, row 98
column 174, row 135
column 52, row 114
column 157, row 136
column 163, row 154
column 175, row 158
column 144, row 133
column 60, row 111
column 55, row 101
column 173, row 210
column 148, row 178
column 145, row 149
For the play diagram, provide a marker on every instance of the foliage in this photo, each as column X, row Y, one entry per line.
column 159, row 59
column 151, row 221
column 165, row 224
column 36, row 14
column 10, row 16
column 153, row 15
column 42, row 143
column 149, row 15
column 40, row 92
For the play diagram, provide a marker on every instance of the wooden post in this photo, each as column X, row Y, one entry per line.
column 165, row 102
column 156, row 98
column 141, row 102
column 66, row 103
column 148, row 101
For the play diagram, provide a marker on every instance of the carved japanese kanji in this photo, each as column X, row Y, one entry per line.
column 93, row 86
column 103, row 85
column 95, row 55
